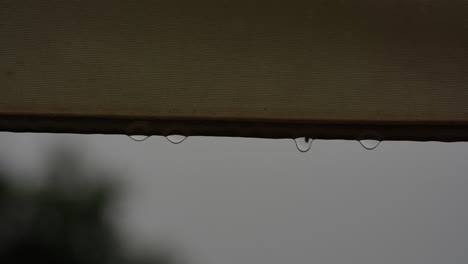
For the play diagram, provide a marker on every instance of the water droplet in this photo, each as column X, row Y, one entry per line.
column 139, row 138
column 176, row 139
column 303, row 144
column 138, row 131
column 369, row 144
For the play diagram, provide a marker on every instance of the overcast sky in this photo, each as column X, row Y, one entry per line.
column 237, row 200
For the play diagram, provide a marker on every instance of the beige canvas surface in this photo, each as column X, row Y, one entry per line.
column 359, row 61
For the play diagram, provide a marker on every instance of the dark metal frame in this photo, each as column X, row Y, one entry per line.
column 414, row 131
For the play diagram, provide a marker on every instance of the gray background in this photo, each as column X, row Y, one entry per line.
column 236, row 200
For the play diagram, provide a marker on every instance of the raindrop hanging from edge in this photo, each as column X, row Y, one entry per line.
column 303, row 144
column 176, row 139
column 369, row 144
column 138, row 138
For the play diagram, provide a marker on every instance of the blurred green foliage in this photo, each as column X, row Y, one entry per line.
column 64, row 220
